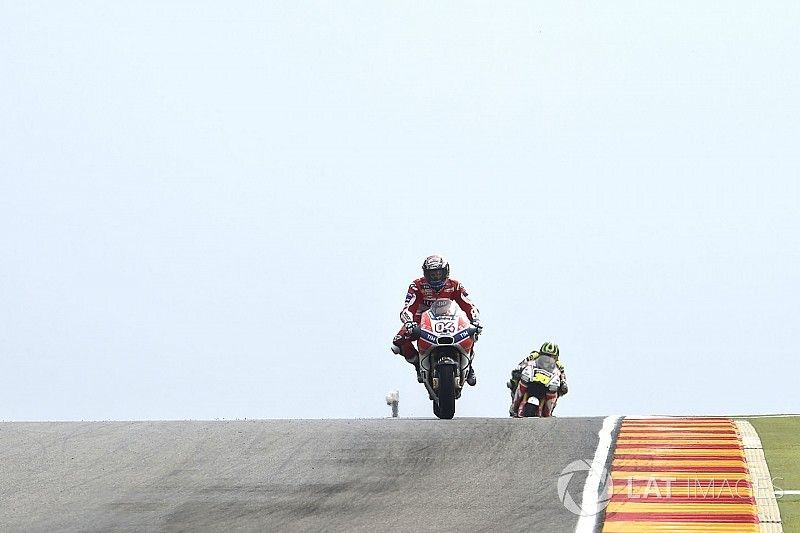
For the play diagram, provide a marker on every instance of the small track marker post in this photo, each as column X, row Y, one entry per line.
column 393, row 399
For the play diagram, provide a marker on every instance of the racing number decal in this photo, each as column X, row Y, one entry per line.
column 445, row 327
column 542, row 377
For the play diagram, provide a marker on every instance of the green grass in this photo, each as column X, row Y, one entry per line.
column 790, row 513
column 780, row 438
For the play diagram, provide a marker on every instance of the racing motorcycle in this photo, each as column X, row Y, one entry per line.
column 445, row 341
column 541, row 379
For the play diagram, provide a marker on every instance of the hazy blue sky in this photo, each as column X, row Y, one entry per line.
column 213, row 210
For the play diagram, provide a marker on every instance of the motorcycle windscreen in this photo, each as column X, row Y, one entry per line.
column 444, row 308
column 545, row 362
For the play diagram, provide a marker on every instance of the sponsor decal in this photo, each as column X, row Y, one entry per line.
column 428, row 336
column 462, row 335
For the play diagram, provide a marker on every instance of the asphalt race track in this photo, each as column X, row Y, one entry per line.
column 476, row 474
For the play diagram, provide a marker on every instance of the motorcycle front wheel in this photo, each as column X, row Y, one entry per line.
column 445, row 407
column 530, row 410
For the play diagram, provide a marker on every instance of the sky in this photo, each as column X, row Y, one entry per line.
column 213, row 210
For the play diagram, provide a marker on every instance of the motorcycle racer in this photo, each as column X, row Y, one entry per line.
column 518, row 390
column 434, row 284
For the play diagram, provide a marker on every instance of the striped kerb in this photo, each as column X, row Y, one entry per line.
column 680, row 474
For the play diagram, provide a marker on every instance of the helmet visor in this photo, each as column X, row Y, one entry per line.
column 437, row 274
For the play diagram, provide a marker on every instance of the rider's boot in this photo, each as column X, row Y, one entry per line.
column 471, row 379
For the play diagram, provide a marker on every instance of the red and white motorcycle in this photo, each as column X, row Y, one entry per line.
column 446, row 339
column 539, row 385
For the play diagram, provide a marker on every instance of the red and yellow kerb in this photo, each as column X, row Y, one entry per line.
column 680, row 474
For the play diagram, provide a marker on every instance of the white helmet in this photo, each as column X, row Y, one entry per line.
column 436, row 270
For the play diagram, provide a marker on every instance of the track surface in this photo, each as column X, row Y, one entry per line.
column 298, row 475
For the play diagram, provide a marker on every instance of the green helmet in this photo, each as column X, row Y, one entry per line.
column 549, row 348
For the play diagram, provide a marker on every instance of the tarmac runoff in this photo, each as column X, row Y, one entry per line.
column 471, row 474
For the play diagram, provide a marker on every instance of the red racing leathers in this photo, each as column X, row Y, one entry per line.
column 418, row 300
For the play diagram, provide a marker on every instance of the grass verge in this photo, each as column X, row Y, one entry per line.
column 780, row 438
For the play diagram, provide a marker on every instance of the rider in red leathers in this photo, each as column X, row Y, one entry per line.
column 433, row 285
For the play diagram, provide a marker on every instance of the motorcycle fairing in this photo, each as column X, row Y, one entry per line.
column 445, row 328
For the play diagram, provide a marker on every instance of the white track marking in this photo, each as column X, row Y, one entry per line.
column 590, row 503
column 782, row 492
column 769, row 515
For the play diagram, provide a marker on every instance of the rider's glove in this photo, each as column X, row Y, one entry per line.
column 412, row 329
column 563, row 389
column 477, row 325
